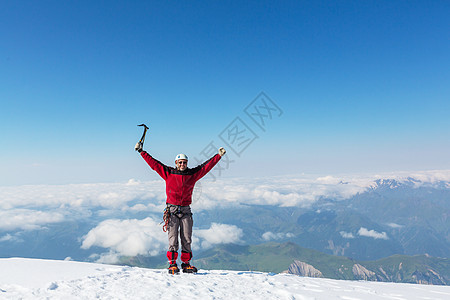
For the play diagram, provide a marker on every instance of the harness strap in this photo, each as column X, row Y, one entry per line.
column 166, row 219
column 167, row 214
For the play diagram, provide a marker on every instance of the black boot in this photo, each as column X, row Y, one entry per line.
column 173, row 269
column 187, row 268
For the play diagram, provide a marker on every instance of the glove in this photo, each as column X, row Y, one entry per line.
column 222, row 151
column 138, row 147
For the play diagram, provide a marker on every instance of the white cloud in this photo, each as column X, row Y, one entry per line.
column 268, row 236
column 372, row 233
column 27, row 219
column 328, row 180
column 110, row 257
column 347, row 235
column 395, row 226
column 216, row 234
column 6, row 238
column 127, row 237
column 133, row 182
column 139, row 207
column 428, row 176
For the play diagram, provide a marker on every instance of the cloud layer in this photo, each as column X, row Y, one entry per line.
column 281, row 191
column 106, row 195
column 27, row 219
column 31, row 207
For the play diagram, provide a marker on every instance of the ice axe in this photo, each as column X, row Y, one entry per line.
column 141, row 141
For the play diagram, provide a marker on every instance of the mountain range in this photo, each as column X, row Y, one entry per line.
column 293, row 259
column 392, row 217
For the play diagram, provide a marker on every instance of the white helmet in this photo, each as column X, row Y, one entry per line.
column 181, row 156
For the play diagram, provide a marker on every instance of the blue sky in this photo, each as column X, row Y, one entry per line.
column 363, row 86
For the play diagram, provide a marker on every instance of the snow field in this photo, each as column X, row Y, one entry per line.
column 43, row 279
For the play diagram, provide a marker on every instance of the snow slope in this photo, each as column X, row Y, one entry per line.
column 45, row 279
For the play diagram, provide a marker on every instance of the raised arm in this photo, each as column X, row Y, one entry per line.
column 204, row 168
column 156, row 165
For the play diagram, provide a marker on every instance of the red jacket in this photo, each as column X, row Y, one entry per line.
column 180, row 184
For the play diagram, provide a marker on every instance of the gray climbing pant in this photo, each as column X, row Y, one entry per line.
column 180, row 223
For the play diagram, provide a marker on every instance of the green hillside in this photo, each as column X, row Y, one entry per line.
column 273, row 257
column 276, row 257
column 412, row 269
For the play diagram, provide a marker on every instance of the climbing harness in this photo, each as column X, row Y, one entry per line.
column 167, row 214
